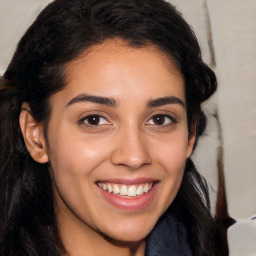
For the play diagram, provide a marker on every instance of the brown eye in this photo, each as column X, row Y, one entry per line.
column 95, row 120
column 161, row 120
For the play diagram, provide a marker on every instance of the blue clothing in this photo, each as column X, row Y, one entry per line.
column 168, row 238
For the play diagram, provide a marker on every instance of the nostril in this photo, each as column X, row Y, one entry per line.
column 131, row 158
column 131, row 148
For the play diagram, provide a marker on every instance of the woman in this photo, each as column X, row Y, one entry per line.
column 100, row 111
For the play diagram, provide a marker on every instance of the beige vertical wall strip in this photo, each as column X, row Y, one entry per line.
column 234, row 39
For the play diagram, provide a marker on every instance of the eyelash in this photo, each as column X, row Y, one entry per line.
column 96, row 117
column 171, row 121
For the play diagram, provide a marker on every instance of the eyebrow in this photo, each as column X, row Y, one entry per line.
column 94, row 99
column 165, row 101
column 111, row 102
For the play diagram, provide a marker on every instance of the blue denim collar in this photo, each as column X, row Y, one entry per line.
column 168, row 238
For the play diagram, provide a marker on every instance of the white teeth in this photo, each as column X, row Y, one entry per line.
column 123, row 191
column 139, row 190
column 146, row 188
column 109, row 188
column 132, row 191
column 126, row 190
column 116, row 189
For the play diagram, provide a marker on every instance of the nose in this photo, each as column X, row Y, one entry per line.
column 131, row 150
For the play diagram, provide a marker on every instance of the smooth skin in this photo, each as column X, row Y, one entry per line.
column 122, row 115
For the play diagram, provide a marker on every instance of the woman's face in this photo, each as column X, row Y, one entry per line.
column 118, row 140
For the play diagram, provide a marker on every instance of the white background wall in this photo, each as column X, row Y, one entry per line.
column 227, row 34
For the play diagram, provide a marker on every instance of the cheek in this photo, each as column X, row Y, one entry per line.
column 73, row 161
column 171, row 156
column 171, row 152
column 173, row 162
column 76, row 155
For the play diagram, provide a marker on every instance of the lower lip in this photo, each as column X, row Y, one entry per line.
column 130, row 204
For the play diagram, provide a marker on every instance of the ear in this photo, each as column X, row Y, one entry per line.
column 191, row 139
column 33, row 134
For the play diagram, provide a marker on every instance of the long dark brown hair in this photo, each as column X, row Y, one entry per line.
column 62, row 31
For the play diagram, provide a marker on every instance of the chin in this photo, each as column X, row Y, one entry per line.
column 130, row 233
column 125, row 239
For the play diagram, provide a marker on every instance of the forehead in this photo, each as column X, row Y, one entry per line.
column 118, row 70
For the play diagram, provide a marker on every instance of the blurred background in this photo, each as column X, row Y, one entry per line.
column 226, row 154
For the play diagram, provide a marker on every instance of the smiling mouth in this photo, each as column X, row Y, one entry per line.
column 126, row 191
